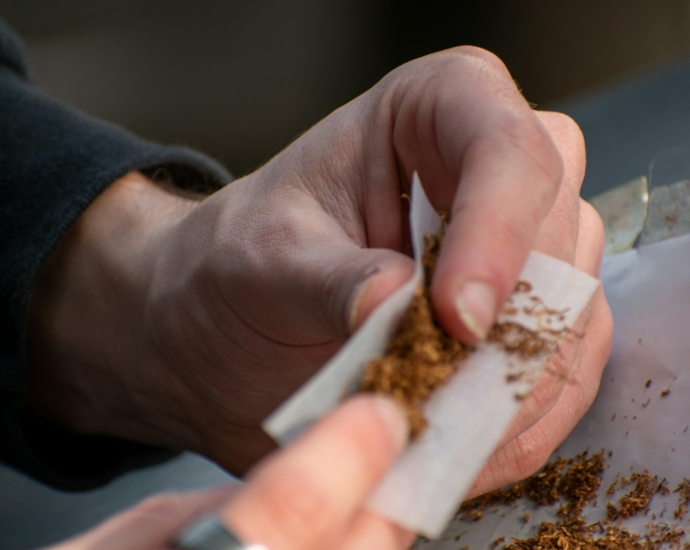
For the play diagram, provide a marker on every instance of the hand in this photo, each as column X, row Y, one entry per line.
column 308, row 496
column 186, row 323
column 573, row 232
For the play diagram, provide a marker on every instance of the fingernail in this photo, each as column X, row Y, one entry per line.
column 358, row 293
column 476, row 306
column 394, row 418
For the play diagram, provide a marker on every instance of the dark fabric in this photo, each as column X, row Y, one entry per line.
column 54, row 162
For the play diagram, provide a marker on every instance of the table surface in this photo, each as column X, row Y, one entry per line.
column 625, row 126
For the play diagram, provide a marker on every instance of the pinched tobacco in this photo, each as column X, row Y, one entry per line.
column 422, row 356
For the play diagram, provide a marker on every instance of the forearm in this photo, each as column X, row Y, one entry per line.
column 86, row 339
column 54, row 163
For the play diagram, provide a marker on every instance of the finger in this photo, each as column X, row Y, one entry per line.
column 355, row 284
column 589, row 259
column 510, row 172
column 533, row 437
column 558, row 234
column 339, row 284
column 553, row 379
column 306, row 496
column 529, row 451
column 150, row 524
column 558, row 237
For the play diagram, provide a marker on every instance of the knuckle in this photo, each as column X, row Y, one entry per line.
column 605, row 347
column 565, row 126
column 604, row 331
column 549, row 388
column 479, row 55
column 510, row 235
column 524, row 133
column 594, row 227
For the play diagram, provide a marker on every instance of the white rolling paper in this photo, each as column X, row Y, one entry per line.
column 468, row 416
column 633, row 416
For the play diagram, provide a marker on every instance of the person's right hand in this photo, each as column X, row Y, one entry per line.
column 184, row 324
column 309, row 496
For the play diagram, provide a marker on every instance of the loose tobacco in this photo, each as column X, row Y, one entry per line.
column 574, row 483
column 422, row 356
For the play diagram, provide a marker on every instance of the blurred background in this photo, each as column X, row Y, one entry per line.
column 240, row 79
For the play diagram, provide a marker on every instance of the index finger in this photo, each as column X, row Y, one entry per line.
column 509, row 173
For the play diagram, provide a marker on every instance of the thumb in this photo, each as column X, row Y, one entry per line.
column 302, row 280
column 347, row 285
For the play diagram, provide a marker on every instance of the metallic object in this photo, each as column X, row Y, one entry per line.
column 635, row 216
column 669, row 213
column 669, row 201
column 623, row 210
column 210, row 534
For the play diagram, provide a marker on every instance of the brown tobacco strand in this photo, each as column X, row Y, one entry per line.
column 639, row 498
column 518, row 339
column 575, row 483
column 684, row 492
column 422, row 357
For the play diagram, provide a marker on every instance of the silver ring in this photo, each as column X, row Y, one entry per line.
column 207, row 533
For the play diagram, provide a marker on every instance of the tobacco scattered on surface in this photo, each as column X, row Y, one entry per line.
column 577, row 535
column 638, row 499
column 574, row 480
column 580, row 483
column 684, row 499
column 575, row 483
column 421, row 356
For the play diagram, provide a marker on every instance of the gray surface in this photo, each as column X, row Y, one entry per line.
column 624, row 127
column 33, row 515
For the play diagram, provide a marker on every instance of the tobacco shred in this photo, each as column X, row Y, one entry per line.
column 422, row 356
column 575, row 483
column 575, row 535
column 684, row 493
column 639, row 498
column 574, row 480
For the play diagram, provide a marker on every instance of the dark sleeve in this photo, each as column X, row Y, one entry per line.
column 54, row 162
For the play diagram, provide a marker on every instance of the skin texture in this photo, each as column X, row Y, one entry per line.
column 306, row 497
column 184, row 323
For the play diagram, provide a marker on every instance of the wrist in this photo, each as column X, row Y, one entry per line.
column 86, row 324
